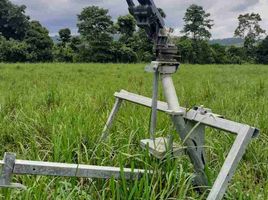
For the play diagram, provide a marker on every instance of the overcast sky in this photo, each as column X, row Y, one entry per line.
column 57, row 14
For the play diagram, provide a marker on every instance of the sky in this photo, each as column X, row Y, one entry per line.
column 58, row 14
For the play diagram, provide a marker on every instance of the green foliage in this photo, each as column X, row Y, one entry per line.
column 127, row 55
column 126, row 25
column 236, row 55
column 68, row 48
column 65, row 35
column 75, row 43
column 102, row 40
column 39, row 43
column 201, row 52
column 250, row 29
column 96, row 28
column 197, row 23
column 36, row 46
column 262, row 52
column 13, row 21
column 63, row 53
column 219, row 54
column 142, row 46
column 24, row 40
column 132, row 44
column 195, row 51
column 185, row 48
column 12, row 50
column 249, row 26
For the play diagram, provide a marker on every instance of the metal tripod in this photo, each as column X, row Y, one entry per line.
column 190, row 125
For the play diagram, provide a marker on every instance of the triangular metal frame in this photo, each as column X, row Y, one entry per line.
column 203, row 117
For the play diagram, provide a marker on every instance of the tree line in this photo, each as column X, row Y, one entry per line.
column 101, row 39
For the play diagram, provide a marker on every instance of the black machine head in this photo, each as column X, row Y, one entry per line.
column 149, row 18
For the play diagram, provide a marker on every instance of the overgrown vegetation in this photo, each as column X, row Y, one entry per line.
column 56, row 112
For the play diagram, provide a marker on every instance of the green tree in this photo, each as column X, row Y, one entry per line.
column 219, row 54
column 63, row 53
column 197, row 23
column 12, row 50
column 236, row 55
column 185, row 49
column 262, row 51
column 39, row 43
column 126, row 25
column 65, row 35
column 142, row 46
column 75, row 43
column 96, row 29
column 250, row 30
column 123, row 54
column 13, row 21
column 203, row 52
column 200, row 52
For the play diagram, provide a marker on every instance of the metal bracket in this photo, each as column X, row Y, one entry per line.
column 162, row 67
column 7, row 172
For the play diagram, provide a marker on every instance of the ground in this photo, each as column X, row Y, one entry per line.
column 56, row 112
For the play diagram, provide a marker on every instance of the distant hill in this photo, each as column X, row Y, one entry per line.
column 228, row 41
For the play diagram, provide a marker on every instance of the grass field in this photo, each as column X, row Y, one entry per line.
column 56, row 112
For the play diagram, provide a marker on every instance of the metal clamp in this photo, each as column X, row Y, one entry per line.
column 7, row 172
column 162, row 67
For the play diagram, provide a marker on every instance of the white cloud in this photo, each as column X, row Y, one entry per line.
column 57, row 14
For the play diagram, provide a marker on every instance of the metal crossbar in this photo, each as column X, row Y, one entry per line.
column 11, row 166
column 208, row 119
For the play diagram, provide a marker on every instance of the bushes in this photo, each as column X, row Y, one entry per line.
column 201, row 52
column 127, row 55
column 12, row 50
column 262, row 52
column 39, row 43
column 63, row 54
column 36, row 47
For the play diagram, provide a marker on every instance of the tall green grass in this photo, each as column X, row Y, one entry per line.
column 56, row 112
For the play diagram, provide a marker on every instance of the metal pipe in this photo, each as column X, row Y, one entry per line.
column 73, row 170
column 180, row 125
column 25, row 167
column 154, row 105
column 173, row 102
column 111, row 118
column 170, row 93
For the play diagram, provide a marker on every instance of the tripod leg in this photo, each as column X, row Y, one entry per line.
column 154, row 105
column 230, row 164
column 196, row 139
column 195, row 143
column 195, row 148
column 111, row 118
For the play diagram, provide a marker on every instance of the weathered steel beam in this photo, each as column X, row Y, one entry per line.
column 11, row 166
column 73, row 170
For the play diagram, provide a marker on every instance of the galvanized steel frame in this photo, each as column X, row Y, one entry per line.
column 203, row 118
